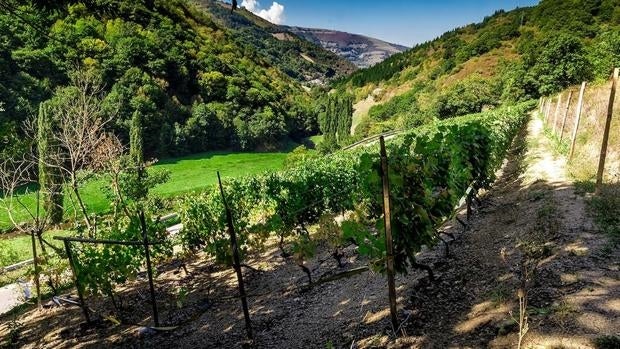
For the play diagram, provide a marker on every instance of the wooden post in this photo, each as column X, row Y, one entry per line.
column 610, row 112
column 236, row 261
column 570, row 97
column 35, row 259
column 557, row 112
column 36, row 269
column 149, row 271
column 577, row 120
column 548, row 111
column 76, row 280
column 541, row 102
column 388, row 234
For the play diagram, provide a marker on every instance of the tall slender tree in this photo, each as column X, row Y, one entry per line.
column 50, row 176
column 136, row 139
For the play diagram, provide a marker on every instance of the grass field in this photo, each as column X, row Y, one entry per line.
column 190, row 173
column 314, row 141
column 19, row 248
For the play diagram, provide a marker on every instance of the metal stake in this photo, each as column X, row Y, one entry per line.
column 236, row 262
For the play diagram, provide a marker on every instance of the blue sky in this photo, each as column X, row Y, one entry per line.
column 404, row 22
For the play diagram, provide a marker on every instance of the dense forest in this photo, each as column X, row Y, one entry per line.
column 196, row 85
column 509, row 57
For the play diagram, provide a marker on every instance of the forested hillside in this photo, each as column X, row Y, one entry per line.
column 510, row 56
column 196, row 84
column 299, row 58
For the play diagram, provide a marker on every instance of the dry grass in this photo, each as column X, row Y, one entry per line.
column 587, row 148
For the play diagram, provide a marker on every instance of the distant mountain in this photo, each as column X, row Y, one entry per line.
column 361, row 50
column 303, row 60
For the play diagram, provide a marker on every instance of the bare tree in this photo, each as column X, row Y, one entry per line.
column 17, row 180
column 79, row 132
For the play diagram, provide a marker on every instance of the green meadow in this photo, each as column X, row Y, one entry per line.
column 187, row 174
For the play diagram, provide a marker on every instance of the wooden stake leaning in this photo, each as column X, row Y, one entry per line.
column 35, row 261
column 541, row 102
column 76, row 280
column 610, row 112
column 570, row 97
column 236, row 261
column 548, row 110
column 388, row 234
column 577, row 120
column 557, row 113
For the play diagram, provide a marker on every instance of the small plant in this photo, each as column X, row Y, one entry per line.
column 181, row 296
column 331, row 232
column 522, row 296
column 606, row 211
column 562, row 313
column 303, row 249
column 607, row 342
column 584, row 187
column 499, row 295
column 8, row 255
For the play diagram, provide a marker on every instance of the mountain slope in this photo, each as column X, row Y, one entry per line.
column 300, row 59
column 510, row 56
column 363, row 51
column 197, row 85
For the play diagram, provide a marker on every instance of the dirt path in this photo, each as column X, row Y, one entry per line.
column 531, row 216
column 11, row 296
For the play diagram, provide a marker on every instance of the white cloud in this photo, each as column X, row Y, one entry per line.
column 275, row 14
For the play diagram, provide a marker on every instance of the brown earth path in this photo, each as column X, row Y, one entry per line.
column 531, row 214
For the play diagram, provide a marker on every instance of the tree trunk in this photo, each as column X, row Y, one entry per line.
column 78, row 197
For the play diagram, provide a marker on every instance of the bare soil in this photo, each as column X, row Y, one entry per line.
column 531, row 215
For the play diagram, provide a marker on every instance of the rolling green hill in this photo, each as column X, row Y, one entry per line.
column 508, row 57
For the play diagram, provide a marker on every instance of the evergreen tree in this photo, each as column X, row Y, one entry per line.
column 136, row 139
column 136, row 156
column 336, row 117
column 50, row 178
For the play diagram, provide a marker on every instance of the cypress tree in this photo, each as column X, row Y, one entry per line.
column 136, row 156
column 136, row 139
column 50, row 177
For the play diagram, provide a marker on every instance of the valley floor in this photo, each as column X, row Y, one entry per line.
column 532, row 220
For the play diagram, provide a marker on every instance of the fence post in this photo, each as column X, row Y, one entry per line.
column 388, row 234
column 236, row 261
column 610, row 112
column 541, row 102
column 570, row 97
column 577, row 120
column 35, row 261
column 149, row 271
column 548, row 111
column 37, row 277
column 76, row 280
column 556, row 114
